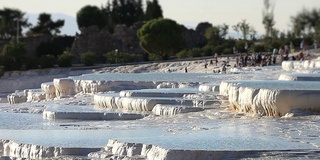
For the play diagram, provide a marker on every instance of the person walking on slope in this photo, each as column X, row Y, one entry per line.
column 205, row 63
column 216, row 58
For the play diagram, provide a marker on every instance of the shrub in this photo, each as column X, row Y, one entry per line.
column 88, row 58
column 12, row 56
column 182, row 54
column 31, row 63
column 227, row 51
column 47, row 61
column 257, row 48
column 65, row 59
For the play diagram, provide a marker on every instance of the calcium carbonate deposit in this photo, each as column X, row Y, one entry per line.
column 145, row 112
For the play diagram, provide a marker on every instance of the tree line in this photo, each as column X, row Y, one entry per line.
column 160, row 38
column 116, row 12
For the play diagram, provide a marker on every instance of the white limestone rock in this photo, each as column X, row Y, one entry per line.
column 49, row 90
column 300, row 65
column 161, row 109
column 35, row 95
column 64, row 87
column 272, row 97
column 98, row 86
column 168, row 85
column 300, row 77
column 17, row 97
column 113, row 101
column 162, row 92
column 126, row 150
column 209, row 87
column 31, row 151
column 67, row 112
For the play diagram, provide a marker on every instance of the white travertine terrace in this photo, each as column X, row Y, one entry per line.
column 164, row 92
column 31, row 151
column 168, row 85
column 161, row 109
column 209, row 87
column 97, row 86
column 35, row 95
column 271, row 97
column 297, row 65
column 27, row 95
column 64, row 87
column 111, row 101
column 116, row 149
column 49, row 90
column 17, row 97
column 300, row 77
column 114, row 101
column 59, row 112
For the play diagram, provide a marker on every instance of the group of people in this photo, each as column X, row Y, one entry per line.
column 255, row 59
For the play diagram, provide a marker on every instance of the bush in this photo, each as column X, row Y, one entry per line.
column 182, row 54
column 111, row 57
column 88, row 58
column 31, row 63
column 65, row 60
column 227, row 51
column 12, row 56
column 47, row 61
column 257, row 48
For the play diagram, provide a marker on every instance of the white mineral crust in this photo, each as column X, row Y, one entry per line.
column 30, row 151
column 161, row 109
column 64, row 87
column 49, row 89
column 264, row 98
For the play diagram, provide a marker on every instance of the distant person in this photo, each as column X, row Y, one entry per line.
column 224, row 69
column 186, row 70
column 274, row 59
column 281, row 53
column 275, row 51
column 205, row 63
column 291, row 47
column 216, row 58
column 286, row 52
column 308, row 55
column 302, row 45
column 301, row 55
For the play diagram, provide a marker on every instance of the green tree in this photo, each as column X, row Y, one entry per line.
column 65, row 59
column 216, row 34
column 46, row 25
column 88, row 58
column 162, row 37
column 90, row 16
column 13, row 56
column 153, row 10
column 54, row 47
column 12, row 21
column 268, row 18
column 245, row 29
column 306, row 22
column 127, row 11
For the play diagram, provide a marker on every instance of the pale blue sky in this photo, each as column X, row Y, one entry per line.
column 186, row 12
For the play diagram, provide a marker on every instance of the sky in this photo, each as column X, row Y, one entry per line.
column 186, row 12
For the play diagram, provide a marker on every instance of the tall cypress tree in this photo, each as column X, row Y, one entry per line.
column 153, row 10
